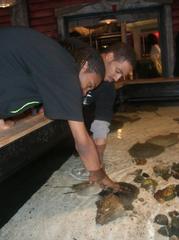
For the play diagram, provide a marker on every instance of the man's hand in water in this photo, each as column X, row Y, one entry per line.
column 100, row 177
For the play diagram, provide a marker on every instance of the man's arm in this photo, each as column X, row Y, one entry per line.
column 104, row 97
column 89, row 155
column 85, row 146
column 100, row 146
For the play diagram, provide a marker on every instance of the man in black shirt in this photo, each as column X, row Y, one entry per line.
column 119, row 60
column 36, row 69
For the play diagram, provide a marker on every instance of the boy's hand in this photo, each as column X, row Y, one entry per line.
column 100, row 177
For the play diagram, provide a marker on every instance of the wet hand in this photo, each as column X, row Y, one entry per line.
column 100, row 177
column 108, row 183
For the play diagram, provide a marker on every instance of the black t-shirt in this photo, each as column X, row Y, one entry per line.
column 35, row 68
column 101, row 103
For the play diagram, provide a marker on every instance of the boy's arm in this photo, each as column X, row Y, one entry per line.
column 85, row 146
column 89, row 155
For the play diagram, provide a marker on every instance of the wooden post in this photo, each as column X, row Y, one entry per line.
column 123, row 32
column 137, row 42
column 167, row 46
column 20, row 14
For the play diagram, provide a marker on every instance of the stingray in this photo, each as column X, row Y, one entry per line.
column 86, row 188
column 176, row 120
column 119, row 120
column 147, row 108
column 161, row 219
column 164, row 140
column 109, row 208
column 140, row 161
column 136, row 108
column 116, row 125
column 145, row 150
column 175, row 170
column 83, row 188
column 175, row 225
column 114, row 205
column 149, row 185
column 170, row 228
column 146, row 182
column 166, row 194
column 163, row 171
column 126, row 108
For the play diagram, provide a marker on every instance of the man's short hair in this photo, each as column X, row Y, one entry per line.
column 122, row 52
column 82, row 53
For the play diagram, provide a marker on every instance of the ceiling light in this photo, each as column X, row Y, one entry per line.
column 7, row 3
column 108, row 20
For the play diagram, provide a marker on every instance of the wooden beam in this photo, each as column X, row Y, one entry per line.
column 123, row 32
column 151, row 80
column 22, row 127
column 20, row 14
column 161, row 1
column 166, row 32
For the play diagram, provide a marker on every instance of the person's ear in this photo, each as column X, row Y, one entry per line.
column 85, row 67
column 109, row 56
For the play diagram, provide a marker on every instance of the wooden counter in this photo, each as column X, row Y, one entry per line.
column 143, row 90
column 31, row 139
column 145, row 81
column 23, row 127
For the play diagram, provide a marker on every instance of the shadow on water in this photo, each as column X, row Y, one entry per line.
column 18, row 188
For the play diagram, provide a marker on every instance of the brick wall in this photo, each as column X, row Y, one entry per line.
column 42, row 14
column 5, row 17
column 175, row 15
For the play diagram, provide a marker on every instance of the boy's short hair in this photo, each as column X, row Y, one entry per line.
column 82, row 53
column 122, row 52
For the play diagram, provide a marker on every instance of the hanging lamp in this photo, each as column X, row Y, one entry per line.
column 108, row 20
column 7, row 3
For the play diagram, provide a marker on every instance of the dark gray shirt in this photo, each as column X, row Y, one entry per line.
column 35, row 68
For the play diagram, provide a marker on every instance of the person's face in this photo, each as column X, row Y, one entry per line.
column 88, row 80
column 116, row 70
